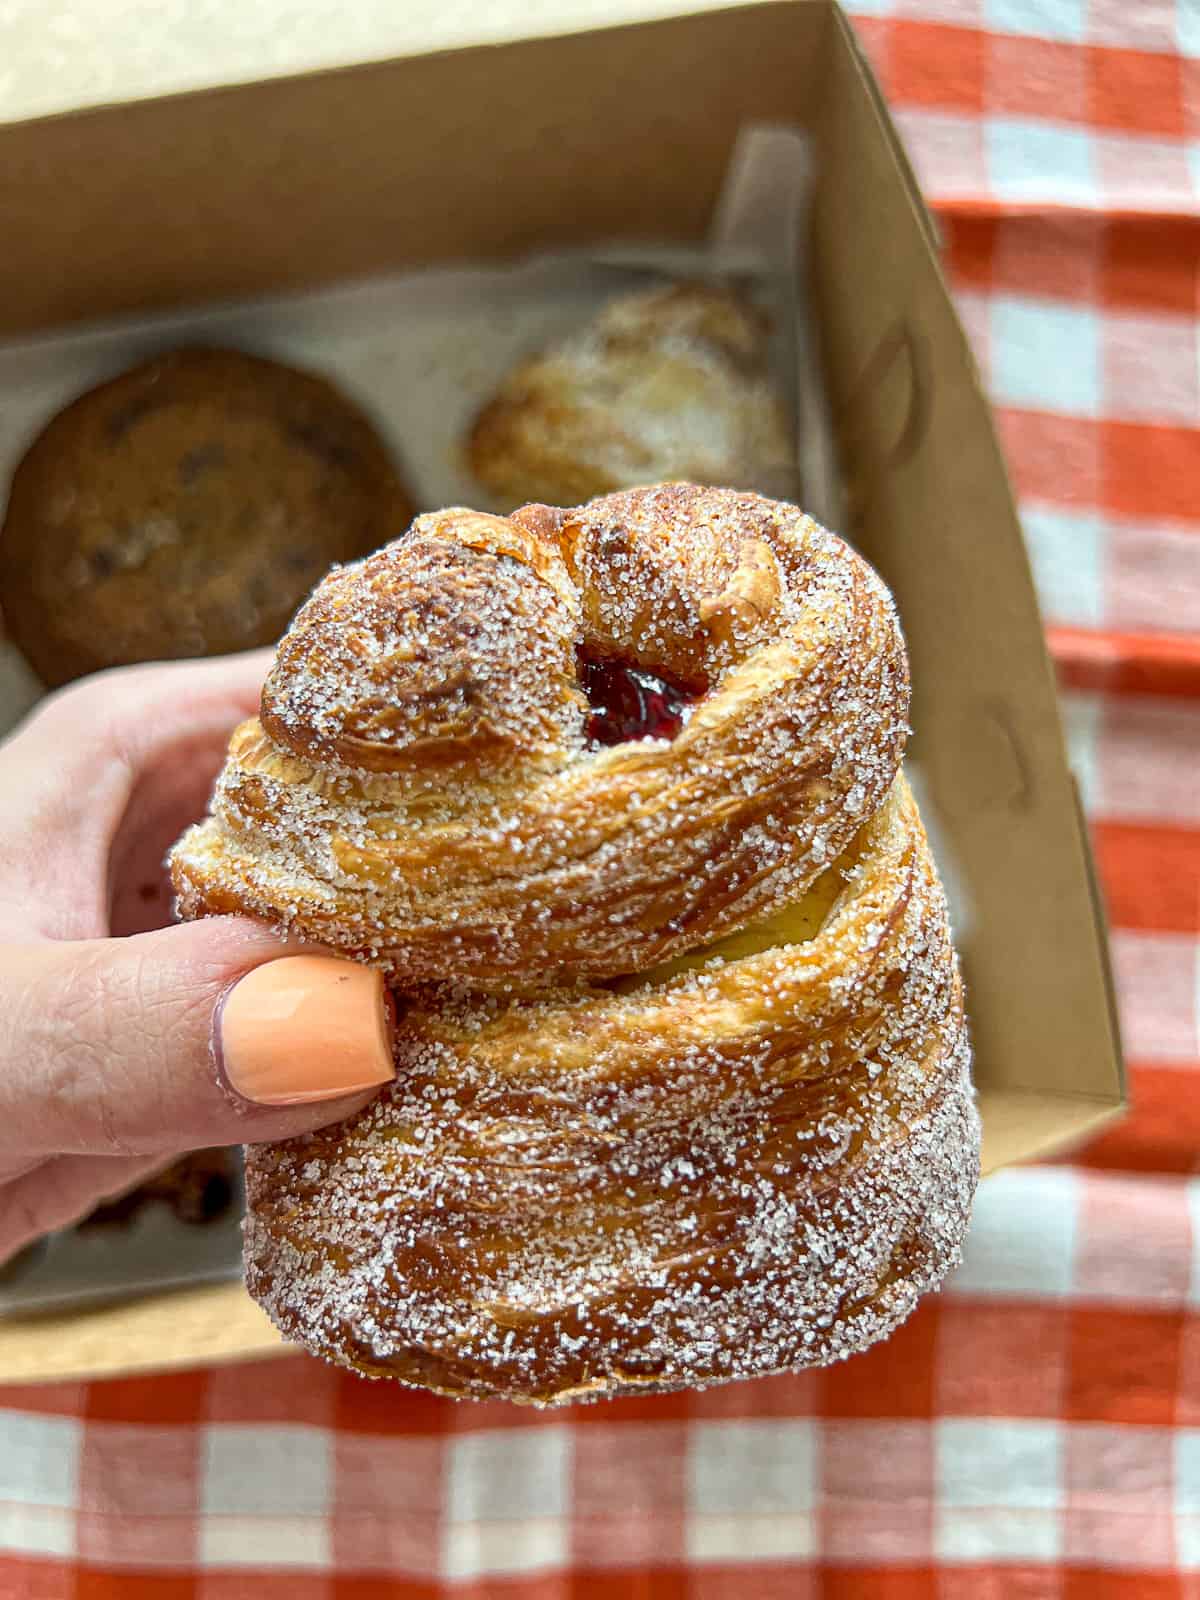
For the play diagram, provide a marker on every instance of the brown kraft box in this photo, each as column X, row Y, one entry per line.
column 490, row 152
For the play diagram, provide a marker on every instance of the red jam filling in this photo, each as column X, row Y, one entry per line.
column 629, row 703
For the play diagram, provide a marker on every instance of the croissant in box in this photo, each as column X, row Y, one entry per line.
column 682, row 1087
column 672, row 382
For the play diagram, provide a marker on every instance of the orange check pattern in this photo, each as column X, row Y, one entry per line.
column 1033, row 1432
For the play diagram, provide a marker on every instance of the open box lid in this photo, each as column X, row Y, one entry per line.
column 625, row 133
column 932, row 508
column 51, row 70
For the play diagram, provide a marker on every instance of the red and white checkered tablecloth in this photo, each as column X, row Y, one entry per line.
column 1033, row 1432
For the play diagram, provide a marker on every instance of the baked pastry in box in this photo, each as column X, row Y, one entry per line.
column 672, row 382
column 682, row 1075
column 185, row 509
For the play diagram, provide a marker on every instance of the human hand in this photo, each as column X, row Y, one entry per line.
column 123, row 1041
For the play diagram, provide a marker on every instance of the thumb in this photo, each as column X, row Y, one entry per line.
column 210, row 1033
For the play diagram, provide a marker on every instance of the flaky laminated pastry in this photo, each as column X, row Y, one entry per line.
column 666, row 383
column 614, row 796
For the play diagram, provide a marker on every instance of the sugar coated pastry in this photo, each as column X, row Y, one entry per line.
column 671, row 382
column 614, row 795
column 186, row 508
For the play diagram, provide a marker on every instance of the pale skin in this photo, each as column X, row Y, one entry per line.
column 107, row 1060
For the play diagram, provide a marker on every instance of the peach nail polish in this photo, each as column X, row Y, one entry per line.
column 305, row 1028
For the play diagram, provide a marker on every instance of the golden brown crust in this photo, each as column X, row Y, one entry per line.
column 418, row 787
column 683, row 1083
column 186, row 508
column 760, row 1165
column 668, row 383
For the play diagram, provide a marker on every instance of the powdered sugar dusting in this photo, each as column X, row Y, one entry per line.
column 761, row 1165
column 415, row 799
column 671, row 382
column 734, row 1165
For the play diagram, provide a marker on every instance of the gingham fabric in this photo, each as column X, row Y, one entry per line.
column 1034, row 1432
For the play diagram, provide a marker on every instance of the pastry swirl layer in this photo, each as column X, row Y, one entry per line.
column 683, row 1085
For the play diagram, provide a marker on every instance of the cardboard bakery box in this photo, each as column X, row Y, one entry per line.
column 487, row 153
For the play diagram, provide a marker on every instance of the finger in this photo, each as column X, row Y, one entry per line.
column 113, row 1047
column 169, row 797
column 132, row 712
column 152, row 735
column 60, row 1192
